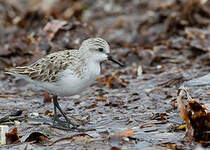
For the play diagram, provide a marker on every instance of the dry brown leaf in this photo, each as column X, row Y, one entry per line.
column 52, row 27
column 184, row 114
column 113, row 81
column 195, row 116
column 182, row 108
column 12, row 137
column 47, row 98
column 172, row 146
column 115, row 148
column 37, row 137
column 123, row 135
column 48, row 33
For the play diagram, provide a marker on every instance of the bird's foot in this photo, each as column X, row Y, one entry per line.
column 64, row 125
column 68, row 124
column 73, row 128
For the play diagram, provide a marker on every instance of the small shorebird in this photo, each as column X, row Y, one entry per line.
column 68, row 72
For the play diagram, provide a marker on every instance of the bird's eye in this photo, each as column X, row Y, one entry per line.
column 101, row 49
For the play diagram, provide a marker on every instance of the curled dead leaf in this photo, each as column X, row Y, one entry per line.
column 12, row 137
column 196, row 118
column 37, row 137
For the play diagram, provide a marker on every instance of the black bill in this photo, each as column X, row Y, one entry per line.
column 115, row 61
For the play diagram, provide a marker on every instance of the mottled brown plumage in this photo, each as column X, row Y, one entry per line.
column 47, row 68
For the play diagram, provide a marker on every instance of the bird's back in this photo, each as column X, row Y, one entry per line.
column 47, row 69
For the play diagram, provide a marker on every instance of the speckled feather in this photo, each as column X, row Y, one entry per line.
column 48, row 67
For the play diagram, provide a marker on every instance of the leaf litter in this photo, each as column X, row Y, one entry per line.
column 196, row 118
column 130, row 108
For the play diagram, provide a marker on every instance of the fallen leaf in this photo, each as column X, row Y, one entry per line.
column 196, row 118
column 115, row 148
column 183, row 111
column 47, row 34
column 52, row 27
column 49, row 113
column 37, row 137
column 113, row 82
column 47, row 98
column 122, row 135
column 12, row 137
column 172, row 146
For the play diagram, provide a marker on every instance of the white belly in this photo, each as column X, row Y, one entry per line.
column 70, row 85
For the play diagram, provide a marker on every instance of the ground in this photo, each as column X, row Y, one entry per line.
column 163, row 43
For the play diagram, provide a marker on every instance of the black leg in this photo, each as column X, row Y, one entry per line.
column 55, row 110
column 56, row 105
column 68, row 122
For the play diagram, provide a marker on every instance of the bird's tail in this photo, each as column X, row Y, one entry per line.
column 14, row 71
column 8, row 70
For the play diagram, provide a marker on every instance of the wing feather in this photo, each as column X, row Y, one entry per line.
column 46, row 68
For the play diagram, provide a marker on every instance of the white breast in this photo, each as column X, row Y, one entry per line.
column 69, row 84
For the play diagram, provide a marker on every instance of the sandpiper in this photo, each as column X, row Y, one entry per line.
column 68, row 72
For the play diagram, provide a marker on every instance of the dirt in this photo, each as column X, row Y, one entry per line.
column 163, row 44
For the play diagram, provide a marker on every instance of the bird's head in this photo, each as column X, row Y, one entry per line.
column 98, row 50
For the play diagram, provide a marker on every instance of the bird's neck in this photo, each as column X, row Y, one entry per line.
column 83, row 53
column 94, row 69
column 93, row 66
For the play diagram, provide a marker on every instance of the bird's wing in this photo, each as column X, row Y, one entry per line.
column 46, row 68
